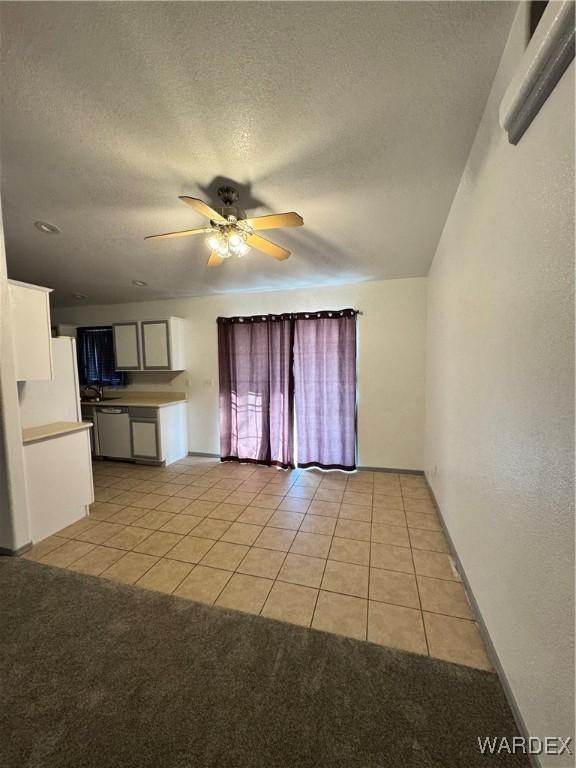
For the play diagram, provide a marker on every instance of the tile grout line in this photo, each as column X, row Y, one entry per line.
column 325, row 562
column 142, row 574
column 178, row 584
column 369, row 564
column 416, row 580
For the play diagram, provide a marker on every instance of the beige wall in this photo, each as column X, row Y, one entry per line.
column 391, row 336
column 499, row 446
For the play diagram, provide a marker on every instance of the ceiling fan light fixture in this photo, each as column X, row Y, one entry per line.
column 232, row 234
column 223, row 249
column 228, row 243
column 234, row 240
column 213, row 242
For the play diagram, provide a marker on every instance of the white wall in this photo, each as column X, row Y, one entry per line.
column 391, row 362
column 500, row 416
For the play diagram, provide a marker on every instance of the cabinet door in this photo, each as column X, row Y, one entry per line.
column 127, row 346
column 31, row 332
column 156, row 345
column 144, row 438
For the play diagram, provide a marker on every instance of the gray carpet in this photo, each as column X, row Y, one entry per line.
column 98, row 674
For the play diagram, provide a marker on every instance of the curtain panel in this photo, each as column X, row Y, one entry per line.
column 325, row 391
column 96, row 361
column 256, row 390
column 285, row 369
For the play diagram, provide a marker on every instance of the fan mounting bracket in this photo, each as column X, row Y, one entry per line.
column 228, row 195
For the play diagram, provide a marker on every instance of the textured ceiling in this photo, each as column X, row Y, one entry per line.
column 357, row 115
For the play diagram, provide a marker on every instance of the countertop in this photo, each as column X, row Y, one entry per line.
column 55, row 429
column 139, row 399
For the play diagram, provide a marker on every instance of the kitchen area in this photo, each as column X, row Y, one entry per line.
column 69, row 414
column 141, row 426
column 147, row 428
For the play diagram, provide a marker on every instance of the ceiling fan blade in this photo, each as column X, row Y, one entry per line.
column 275, row 221
column 182, row 233
column 201, row 207
column 214, row 260
column 267, row 247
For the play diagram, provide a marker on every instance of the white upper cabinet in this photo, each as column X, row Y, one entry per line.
column 163, row 345
column 156, row 345
column 150, row 345
column 127, row 346
column 31, row 332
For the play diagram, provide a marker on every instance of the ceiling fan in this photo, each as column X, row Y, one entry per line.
column 230, row 232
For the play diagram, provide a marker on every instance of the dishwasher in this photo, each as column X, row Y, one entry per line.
column 114, row 432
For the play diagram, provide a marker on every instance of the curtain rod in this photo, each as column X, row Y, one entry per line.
column 349, row 312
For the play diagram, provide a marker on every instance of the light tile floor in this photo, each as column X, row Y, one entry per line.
column 358, row 554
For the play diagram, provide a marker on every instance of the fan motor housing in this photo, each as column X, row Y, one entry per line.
column 231, row 210
column 229, row 196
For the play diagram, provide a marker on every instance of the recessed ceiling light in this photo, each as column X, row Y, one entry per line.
column 80, row 296
column 139, row 283
column 48, row 229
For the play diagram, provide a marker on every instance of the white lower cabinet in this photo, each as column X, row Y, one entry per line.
column 144, row 435
column 58, row 482
column 159, row 434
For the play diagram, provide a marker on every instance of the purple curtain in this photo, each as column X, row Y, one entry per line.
column 325, row 389
column 273, row 365
column 256, row 389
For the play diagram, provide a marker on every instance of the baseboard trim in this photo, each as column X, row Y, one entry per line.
column 515, row 709
column 359, row 469
column 7, row 552
column 391, row 470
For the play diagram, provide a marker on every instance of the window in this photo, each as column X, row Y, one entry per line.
column 96, row 363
